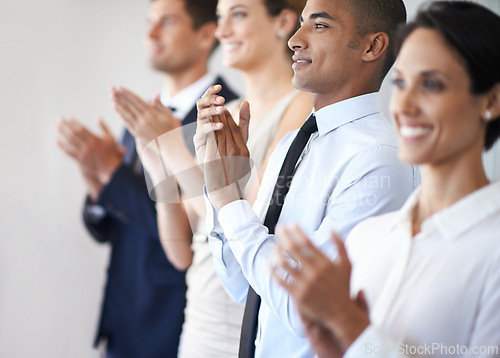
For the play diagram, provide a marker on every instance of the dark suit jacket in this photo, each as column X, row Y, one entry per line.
column 142, row 311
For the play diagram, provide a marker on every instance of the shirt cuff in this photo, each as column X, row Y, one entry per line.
column 212, row 218
column 234, row 216
column 94, row 212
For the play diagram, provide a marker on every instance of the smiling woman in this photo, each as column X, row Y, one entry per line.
column 447, row 101
column 433, row 105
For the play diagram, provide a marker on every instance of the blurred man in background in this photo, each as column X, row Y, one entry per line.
column 142, row 310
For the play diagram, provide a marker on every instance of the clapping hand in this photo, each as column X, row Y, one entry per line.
column 221, row 148
column 146, row 121
column 320, row 289
column 322, row 341
column 99, row 155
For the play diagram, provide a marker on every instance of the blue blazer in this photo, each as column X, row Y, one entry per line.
column 143, row 306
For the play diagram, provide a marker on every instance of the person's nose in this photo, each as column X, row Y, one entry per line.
column 154, row 30
column 297, row 41
column 404, row 101
column 223, row 28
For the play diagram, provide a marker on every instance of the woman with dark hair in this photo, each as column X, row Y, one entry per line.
column 425, row 280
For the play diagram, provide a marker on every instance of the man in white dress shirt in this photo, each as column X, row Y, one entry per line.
column 348, row 171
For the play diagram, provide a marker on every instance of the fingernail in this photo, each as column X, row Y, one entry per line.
column 219, row 100
column 218, row 125
column 219, row 110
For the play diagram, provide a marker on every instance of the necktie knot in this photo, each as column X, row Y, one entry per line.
column 310, row 126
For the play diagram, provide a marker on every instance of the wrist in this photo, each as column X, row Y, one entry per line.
column 348, row 324
column 94, row 193
column 152, row 162
column 94, row 185
column 221, row 197
column 107, row 171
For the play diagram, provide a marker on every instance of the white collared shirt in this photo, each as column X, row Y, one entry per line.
column 436, row 293
column 183, row 101
column 350, row 171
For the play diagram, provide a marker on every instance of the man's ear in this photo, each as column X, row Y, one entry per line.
column 206, row 35
column 376, row 45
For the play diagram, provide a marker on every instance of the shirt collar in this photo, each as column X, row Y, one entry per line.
column 404, row 215
column 335, row 115
column 184, row 100
column 458, row 218
column 469, row 211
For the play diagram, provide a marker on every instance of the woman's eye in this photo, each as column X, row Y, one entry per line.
column 239, row 15
column 398, row 82
column 319, row 26
column 432, row 85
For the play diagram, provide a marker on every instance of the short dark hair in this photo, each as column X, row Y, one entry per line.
column 201, row 11
column 472, row 31
column 371, row 16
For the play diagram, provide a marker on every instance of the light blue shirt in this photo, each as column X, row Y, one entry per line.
column 349, row 171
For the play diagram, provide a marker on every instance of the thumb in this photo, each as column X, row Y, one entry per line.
column 122, row 150
column 104, row 128
column 361, row 301
column 339, row 244
column 244, row 119
column 157, row 101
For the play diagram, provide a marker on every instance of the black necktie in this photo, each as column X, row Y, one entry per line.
column 250, row 316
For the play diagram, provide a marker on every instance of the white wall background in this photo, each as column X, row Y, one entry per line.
column 60, row 57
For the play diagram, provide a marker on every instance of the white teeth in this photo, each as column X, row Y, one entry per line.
column 229, row 47
column 413, row 132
